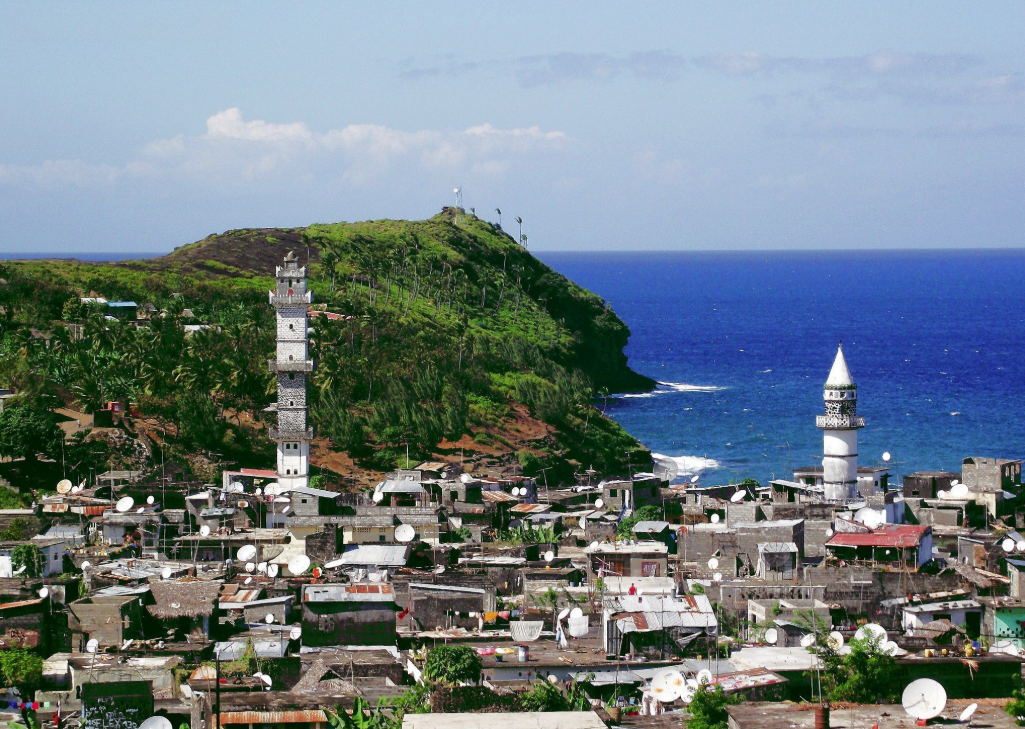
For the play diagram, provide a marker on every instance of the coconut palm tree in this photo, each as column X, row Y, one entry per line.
column 498, row 210
column 519, row 222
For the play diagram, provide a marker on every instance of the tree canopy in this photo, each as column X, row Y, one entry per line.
column 27, row 429
column 453, row 664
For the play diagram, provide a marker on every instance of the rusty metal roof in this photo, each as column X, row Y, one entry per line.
column 496, row 497
column 530, row 508
column 249, row 718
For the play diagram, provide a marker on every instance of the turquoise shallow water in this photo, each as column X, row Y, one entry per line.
column 744, row 341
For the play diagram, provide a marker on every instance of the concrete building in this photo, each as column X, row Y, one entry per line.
column 767, row 611
column 354, row 614
column 967, row 613
column 927, row 484
column 840, row 426
column 991, row 474
column 292, row 365
column 645, row 559
column 892, row 544
column 871, row 479
column 51, row 555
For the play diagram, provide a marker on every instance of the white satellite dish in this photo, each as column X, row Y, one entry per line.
column 966, row 715
column 405, row 533
column 835, row 640
column 166, row 573
column 258, row 491
column 92, row 645
column 44, row 591
column 295, row 633
column 829, row 532
column 378, row 497
column 1020, row 546
column 593, row 546
column 261, row 567
column 583, row 522
column 942, row 494
column 250, row 566
column 140, row 510
column 64, row 486
column 243, row 504
column 156, row 722
column 248, row 580
column 738, row 497
column 666, row 470
column 717, row 577
column 959, row 490
column 125, row 503
column 715, row 518
column 86, row 565
column 694, row 478
column 704, row 677
column 886, row 456
column 771, row 636
column 864, row 515
column 466, row 477
column 687, row 695
column 272, row 488
column 150, row 500
column 664, row 688
column 235, row 487
column 808, row 640
column 598, row 503
column 563, row 614
column 924, row 699
column 1008, row 545
column 246, row 553
column 870, row 631
column 272, row 570
column 204, row 531
column 890, row 648
column 75, row 489
column 267, row 680
column 713, row 563
column 576, row 613
column 186, row 691
column 299, row 564
column 269, row 619
column 549, row 556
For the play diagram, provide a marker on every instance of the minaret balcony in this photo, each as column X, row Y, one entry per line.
column 839, row 422
column 277, row 435
column 293, row 299
column 302, row 365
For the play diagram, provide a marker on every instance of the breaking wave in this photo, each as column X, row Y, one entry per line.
column 690, row 465
column 668, row 387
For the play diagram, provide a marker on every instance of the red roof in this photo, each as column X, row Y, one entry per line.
column 891, row 535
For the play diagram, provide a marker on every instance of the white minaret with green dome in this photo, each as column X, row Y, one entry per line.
column 840, row 427
column 292, row 366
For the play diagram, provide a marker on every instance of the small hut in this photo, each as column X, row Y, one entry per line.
column 185, row 607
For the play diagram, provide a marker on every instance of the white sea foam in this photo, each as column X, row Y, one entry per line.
column 683, row 387
column 690, row 465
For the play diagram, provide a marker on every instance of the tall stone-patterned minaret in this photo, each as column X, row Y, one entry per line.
column 292, row 366
column 840, row 427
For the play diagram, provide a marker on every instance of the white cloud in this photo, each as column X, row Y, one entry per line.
column 236, row 153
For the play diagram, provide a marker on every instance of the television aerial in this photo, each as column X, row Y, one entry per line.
column 63, row 486
column 299, row 564
column 924, row 699
column 966, row 715
column 458, row 192
column 738, row 496
column 771, row 636
column 666, row 470
column 405, row 533
column 246, row 553
column 125, row 503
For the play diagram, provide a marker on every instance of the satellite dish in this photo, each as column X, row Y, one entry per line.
column 583, row 522
column 250, row 566
column 890, row 648
column 713, row 563
column 687, row 694
column 404, row 533
column 75, row 489
column 466, row 478
column 140, row 510
column 235, row 487
column 156, row 722
column 246, row 553
column 871, row 631
column 204, row 531
column 665, row 688
column 829, row 532
column 44, row 591
column 942, row 494
column 553, row 679
column 267, row 680
column 598, row 503
column 715, row 518
column 864, row 515
column 272, row 488
column 378, row 497
column 549, row 556
column 563, row 614
column 593, row 546
column 166, row 573
column 1008, row 545
column 125, row 503
column 886, row 456
column 835, row 640
column 317, row 572
column 924, row 699
column 64, row 486
column 300, row 563
column 808, row 640
column 261, row 567
column 666, row 470
column 248, row 580
column 738, row 496
column 186, row 691
column 258, row 491
column 576, row 613
column 958, row 490
column 717, row 577
column 272, row 570
column 92, row 645
column 771, row 636
column 243, row 504
column 966, row 715
column 269, row 619
column 295, row 633
column 704, row 677
column 150, row 500
column 694, row 478
column 1020, row 546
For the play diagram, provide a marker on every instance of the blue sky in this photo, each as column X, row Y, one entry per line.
column 140, row 126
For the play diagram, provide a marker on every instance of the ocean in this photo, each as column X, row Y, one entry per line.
column 742, row 343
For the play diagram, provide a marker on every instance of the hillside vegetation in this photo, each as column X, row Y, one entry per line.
column 451, row 336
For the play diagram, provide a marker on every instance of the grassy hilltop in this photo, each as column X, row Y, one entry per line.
column 453, row 338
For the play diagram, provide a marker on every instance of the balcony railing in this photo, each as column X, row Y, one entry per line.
column 275, row 434
column 300, row 365
column 277, row 299
column 839, row 422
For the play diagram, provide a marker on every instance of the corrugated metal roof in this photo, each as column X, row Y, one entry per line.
column 304, row 716
column 651, row 526
column 497, row 497
column 382, row 555
column 369, row 592
column 530, row 508
column 891, row 535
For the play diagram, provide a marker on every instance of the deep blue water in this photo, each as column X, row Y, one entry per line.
column 934, row 339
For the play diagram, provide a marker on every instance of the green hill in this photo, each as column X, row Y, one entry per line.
column 452, row 338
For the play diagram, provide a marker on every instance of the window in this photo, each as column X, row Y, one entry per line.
column 380, row 538
column 612, row 493
column 291, row 403
column 291, row 327
column 291, row 375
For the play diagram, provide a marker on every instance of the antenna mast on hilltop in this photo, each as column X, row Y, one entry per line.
column 459, row 197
